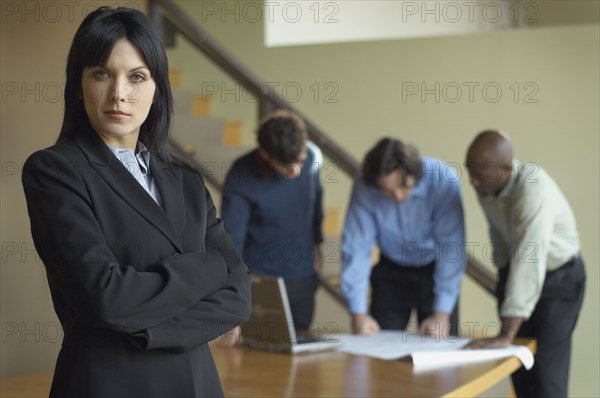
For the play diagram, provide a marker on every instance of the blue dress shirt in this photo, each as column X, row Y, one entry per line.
column 139, row 167
column 427, row 227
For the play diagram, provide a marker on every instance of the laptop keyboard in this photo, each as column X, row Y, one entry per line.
column 303, row 339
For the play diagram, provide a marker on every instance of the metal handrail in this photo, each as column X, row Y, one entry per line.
column 190, row 159
column 485, row 278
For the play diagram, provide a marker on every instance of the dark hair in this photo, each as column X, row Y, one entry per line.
column 282, row 135
column 388, row 156
column 92, row 46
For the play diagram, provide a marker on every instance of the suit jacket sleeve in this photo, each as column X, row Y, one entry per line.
column 102, row 292
column 215, row 314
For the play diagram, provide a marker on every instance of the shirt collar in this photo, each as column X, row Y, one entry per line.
column 264, row 168
column 420, row 189
column 142, row 156
column 505, row 192
column 507, row 189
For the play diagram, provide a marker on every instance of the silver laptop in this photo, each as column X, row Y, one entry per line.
column 271, row 326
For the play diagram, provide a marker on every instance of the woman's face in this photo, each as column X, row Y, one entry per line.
column 117, row 97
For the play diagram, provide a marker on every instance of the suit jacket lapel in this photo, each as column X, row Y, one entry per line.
column 125, row 185
column 170, row 185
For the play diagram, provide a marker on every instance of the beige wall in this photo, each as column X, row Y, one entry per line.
column 560, row 132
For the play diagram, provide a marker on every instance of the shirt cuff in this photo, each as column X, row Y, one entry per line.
column 357, row 306
column 511, row 311
column 444, row 303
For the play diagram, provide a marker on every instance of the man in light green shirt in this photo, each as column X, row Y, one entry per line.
column 536, row 249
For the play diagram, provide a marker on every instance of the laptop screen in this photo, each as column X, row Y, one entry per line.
column 271, row 320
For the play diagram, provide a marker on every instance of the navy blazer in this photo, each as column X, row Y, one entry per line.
column 120, row 267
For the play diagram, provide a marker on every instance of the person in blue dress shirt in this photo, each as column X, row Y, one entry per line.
column 410, row 207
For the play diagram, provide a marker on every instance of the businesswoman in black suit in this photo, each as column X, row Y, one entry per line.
column 142, row 273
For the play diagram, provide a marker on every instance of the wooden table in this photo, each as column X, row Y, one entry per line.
column 332, row 374
column 250, row 373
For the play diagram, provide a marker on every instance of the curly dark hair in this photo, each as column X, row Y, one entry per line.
column 389, row 155
column 282, row 135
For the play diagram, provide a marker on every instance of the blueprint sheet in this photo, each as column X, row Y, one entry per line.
column 426, row 352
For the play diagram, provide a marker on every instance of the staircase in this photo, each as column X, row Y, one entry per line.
column 215, row 141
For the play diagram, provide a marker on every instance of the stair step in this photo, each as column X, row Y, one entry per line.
column 183, row 102
column 191, row 130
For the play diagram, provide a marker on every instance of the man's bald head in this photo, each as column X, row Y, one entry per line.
column 489, row 160
column 491, row 146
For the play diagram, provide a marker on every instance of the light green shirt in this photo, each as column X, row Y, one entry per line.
column 533, row 229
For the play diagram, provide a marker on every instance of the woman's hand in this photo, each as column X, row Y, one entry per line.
column 231, row 338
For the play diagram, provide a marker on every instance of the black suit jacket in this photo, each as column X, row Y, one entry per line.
column 119, row 266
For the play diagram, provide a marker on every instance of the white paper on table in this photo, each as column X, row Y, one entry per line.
column 427, row 352
column 426, row 360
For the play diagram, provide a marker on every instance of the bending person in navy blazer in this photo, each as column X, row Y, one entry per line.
column 142, row 273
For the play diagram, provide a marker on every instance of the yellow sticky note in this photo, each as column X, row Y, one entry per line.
column 232, row 136
column 332, row 222
column 201, row 105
